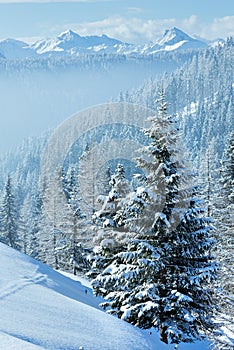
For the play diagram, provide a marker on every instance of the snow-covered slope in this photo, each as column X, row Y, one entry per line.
column 42, row 309
column 70, row 43
column 15, row 49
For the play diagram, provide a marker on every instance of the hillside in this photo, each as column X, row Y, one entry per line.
column 42, row 309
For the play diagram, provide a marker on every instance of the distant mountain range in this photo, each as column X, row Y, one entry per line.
column 70, row 43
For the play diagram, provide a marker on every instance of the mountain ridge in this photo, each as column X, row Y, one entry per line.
column 70, row 43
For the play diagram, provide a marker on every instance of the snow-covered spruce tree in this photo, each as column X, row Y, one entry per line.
column 208, row 175
column 111, row 204
column 223, row 214
column 162, row 276
column 224, row 217
column 30, row 225
column 9, row 217
column 109, row 226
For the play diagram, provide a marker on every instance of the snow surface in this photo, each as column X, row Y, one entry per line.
column 43, row 309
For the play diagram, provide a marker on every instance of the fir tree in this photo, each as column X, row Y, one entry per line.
column 161, row 277
column 9, row 217
column 35, row 227
column 109, row 229
column 223, row 214
column 31, row 225
column 111, row 204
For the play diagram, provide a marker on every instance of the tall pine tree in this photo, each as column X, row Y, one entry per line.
column 162, row 276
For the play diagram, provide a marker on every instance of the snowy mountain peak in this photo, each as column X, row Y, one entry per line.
column 84, row 41
column 174, row 35
column 68, row 35
column 174, row 39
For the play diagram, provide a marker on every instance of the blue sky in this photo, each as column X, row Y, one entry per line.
column 135, row 21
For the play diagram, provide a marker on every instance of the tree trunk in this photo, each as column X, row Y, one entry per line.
column 163, row 335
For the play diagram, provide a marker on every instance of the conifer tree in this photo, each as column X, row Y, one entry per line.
column 111, row 204
column 9, row 217
column 31, row 225
column 35, row 227
column 109, row 229
column 161, row 276
column 223, row 214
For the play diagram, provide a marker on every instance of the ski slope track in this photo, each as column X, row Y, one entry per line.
column 43, row 309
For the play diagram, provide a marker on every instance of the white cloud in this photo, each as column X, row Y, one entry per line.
column 219, row 28
column 190, row 23
column 223, row 26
